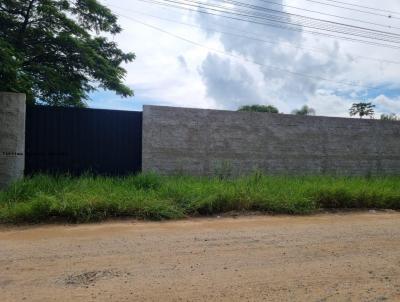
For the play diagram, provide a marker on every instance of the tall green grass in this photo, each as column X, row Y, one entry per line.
column 44, row 198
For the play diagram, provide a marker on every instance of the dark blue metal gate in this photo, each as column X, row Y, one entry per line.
column 79, row 140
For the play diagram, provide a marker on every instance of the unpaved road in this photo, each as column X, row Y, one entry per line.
column 332, row 257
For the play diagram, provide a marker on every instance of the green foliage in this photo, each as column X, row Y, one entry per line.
column 305, row 110
column 390, row 117
column 259, row 108
column 362, row 109
column 149, row 196
column 49, row 52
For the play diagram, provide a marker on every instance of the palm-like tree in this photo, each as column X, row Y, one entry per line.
column 362, row 109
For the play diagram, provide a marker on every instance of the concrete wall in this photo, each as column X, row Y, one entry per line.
column 202, row 142
column 12, row 137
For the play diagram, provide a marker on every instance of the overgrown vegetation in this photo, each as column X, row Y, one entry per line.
column 390, row 117
column 259, row 108
column 148, row 196
column 305, row 110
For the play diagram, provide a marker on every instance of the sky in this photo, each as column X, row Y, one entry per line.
column 188, row 59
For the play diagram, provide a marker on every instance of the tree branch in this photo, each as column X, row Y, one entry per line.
column 25, row 23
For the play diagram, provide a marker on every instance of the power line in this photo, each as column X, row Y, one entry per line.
column 382, row 36
column 366, row 7
column 354, row 9
column 308, row 22
column 245, row 59
column 302, row 17
column 270, row 24
column 206, row 11
column 273, row 42
column 330, row 15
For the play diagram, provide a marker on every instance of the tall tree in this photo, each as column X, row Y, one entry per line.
column 259, row 108
column 362, row 109
column 54, row 52
column 305, row 110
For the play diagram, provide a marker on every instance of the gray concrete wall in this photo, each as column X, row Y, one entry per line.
column 204, row 142
column 12, row 137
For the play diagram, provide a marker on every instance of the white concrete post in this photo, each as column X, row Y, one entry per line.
column 12, row 137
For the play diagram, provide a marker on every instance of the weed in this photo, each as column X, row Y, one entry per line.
column 43, row 198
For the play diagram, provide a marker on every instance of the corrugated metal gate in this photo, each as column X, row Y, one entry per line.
column 79, row 140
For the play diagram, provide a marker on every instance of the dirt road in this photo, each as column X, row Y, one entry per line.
column 333, row 257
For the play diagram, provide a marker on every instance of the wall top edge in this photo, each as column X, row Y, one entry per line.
column 12, row 93
column 320, row 117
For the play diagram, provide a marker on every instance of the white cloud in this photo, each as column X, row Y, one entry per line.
column 182, row 74
column 387, row 105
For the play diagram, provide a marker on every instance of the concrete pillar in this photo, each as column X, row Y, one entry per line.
column 12, row 137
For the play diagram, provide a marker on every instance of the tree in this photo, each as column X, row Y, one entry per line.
column 305, row 110
column 53, row 50
column 259, row 108
column 362, row 109
column 390, row 117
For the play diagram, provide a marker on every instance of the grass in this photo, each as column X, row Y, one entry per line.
column 43, row 198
